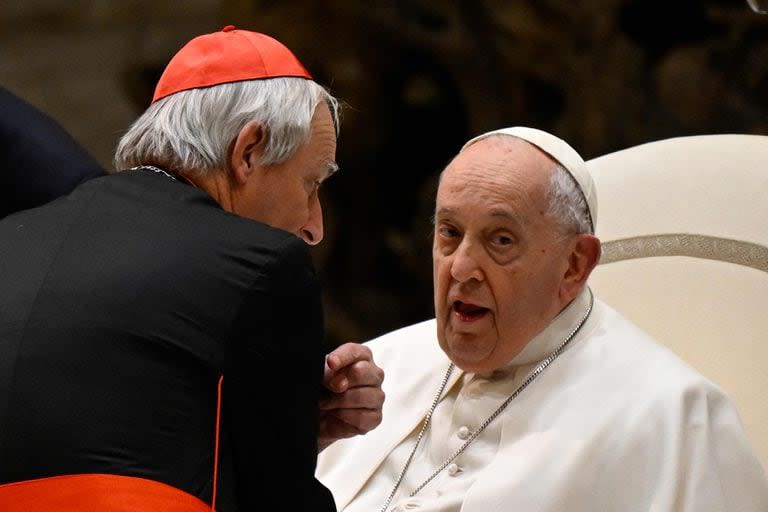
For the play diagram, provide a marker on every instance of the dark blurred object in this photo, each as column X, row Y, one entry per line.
column 760, row 6
column 39, row 160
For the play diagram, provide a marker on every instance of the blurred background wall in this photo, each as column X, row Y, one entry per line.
column 418, row 78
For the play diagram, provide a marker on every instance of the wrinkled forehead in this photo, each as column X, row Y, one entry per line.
column 496, row 175
column 508, row 160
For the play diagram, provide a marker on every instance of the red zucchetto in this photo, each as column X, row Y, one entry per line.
column 230, row 55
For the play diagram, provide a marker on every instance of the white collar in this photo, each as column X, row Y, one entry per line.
column 548, row 340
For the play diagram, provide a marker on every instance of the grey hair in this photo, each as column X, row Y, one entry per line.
column 567, row 204
column 192, row 131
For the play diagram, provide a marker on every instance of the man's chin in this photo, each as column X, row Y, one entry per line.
column 465, row 350
column 477, row 367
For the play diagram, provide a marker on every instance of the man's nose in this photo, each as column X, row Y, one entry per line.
column 312, row 231
column 465, row 264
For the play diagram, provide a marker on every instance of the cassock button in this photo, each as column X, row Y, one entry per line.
column 463, row 433
column 453, row 469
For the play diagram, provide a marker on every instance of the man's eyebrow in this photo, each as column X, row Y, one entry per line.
column 497, row 212
column 332, row 168
column 505, row 214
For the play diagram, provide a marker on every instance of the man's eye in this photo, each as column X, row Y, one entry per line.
column 447, row 231
column 503, row 240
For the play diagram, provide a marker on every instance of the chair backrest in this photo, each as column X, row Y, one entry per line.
column 684, row 225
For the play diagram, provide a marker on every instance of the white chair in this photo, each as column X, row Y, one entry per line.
column 684, row 225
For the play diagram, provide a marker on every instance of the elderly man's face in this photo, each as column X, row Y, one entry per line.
column 497, row 262
column 285, row 196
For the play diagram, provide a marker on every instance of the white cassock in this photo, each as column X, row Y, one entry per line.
column 616, row 423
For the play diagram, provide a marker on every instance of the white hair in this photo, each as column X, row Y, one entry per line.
column 192, row 131
column 566, row 203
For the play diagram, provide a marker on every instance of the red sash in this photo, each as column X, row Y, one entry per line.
column 96, row 493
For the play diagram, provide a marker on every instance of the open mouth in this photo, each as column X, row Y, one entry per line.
column 468, row 312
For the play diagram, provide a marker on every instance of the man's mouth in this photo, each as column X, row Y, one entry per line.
column 468, row 312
